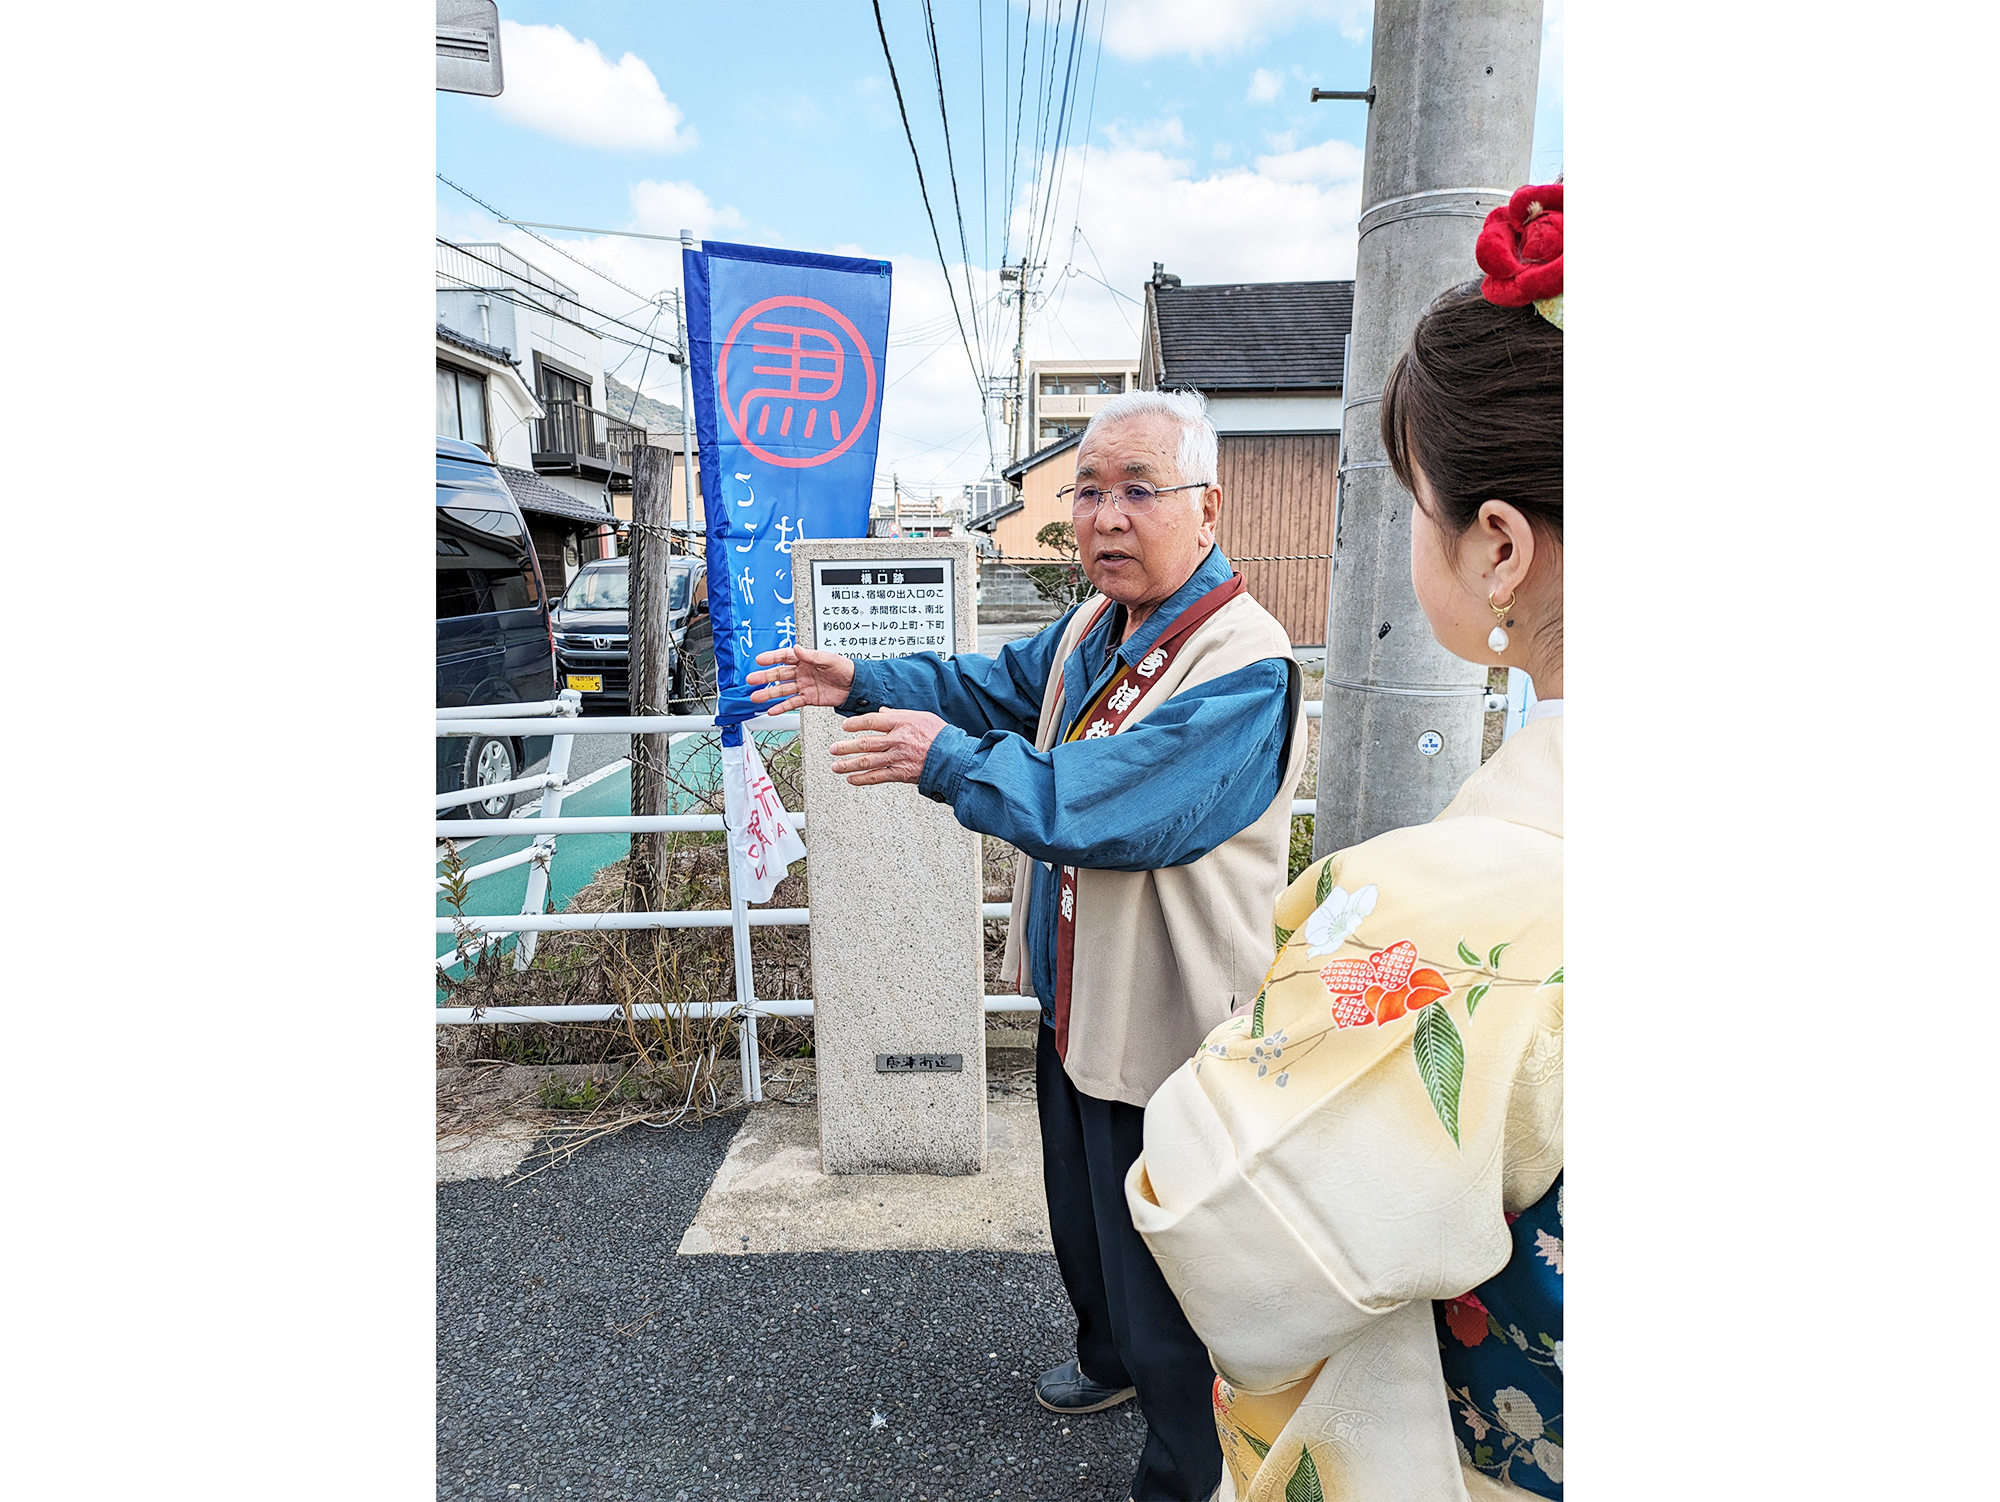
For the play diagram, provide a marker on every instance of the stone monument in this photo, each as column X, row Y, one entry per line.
column 893, row 884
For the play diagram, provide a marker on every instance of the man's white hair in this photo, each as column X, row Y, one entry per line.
column 1188, row 410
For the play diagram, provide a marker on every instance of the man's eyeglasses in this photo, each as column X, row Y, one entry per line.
column 1133, row 499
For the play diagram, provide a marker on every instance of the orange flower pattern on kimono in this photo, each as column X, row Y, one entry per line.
column 1383, row 987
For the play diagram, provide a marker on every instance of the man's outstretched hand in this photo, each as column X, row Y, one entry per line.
column 799, row 675
column 890, row 745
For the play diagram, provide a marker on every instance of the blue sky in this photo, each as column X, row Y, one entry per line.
column 774, row 123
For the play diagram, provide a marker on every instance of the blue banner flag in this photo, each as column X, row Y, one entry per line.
column 786, row 363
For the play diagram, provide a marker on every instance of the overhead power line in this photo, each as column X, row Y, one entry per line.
column 1090, row 117
column 646, row 334
column 552, row 245
column 1014, row 157
column 668, row 353
column 1064, row 122
column 1066, row 137
column 985, row 194
column 944, row 265
column 951, row 167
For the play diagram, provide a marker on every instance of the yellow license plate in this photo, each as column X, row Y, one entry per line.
column 587, row 683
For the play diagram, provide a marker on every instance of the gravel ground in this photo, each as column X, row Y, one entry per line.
column 578, row 1356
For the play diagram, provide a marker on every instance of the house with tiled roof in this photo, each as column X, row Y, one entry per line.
column 1270, row 358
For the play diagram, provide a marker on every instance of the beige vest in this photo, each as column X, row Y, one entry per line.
column 1162, row 957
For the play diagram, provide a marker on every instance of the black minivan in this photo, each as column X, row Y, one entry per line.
column 494, row 641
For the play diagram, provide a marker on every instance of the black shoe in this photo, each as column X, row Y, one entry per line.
column 1065, row 1389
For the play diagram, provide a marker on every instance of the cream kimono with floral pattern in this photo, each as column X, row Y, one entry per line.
column 1348, row 1149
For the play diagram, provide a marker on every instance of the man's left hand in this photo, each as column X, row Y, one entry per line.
column 889, row 745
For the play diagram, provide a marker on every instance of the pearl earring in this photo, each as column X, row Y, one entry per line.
column 1498, row 640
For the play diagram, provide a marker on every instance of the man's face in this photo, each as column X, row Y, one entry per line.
column 1139, row 561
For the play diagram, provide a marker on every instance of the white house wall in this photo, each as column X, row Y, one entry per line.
column 509, row 416
column 458, row 309
column 1274, row 414
column 513, row 324
column 583, row 488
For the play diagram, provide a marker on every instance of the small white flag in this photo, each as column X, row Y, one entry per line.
column 762, row 844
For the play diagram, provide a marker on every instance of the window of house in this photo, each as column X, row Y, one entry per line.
column 461, row 398
column 556, row 386
column 566, row 399
column 1083, row 385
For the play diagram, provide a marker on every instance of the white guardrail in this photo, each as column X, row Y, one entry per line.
column 559, row 718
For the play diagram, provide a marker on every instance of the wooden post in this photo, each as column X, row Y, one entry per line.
column 652, row 479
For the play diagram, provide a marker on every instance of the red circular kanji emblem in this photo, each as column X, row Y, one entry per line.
column 797, row 390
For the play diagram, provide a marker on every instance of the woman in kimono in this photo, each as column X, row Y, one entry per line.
column 1355, row 1187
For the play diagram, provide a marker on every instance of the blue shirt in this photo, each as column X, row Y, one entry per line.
column 1194, row 773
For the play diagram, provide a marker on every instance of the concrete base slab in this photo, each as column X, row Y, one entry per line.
column 770, row 1196
column 492, row 1153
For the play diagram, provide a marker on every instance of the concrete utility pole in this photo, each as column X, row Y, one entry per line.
column 1449, row 135
column 1017, row 429
column 650, row 677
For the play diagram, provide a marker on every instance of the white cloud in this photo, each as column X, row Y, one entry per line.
column 1328, row 162
column 1264, row 85
column 1292, row 218
column 1139, row 29
column 564, row 87
column 668, row 208
column 1166, row 132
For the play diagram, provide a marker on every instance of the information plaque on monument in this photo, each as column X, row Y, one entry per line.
column 885, row 608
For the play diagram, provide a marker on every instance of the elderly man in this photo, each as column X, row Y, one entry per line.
column 1141, row 754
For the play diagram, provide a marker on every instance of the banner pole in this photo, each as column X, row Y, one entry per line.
column 687, row 407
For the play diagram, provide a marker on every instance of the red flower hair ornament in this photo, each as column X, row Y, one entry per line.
column 1520, row 248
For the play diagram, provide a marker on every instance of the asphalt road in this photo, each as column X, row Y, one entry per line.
column 578, row 1356
column 587, row 753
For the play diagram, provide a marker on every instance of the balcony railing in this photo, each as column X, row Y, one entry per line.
column 1072, row 404
column 572, row 427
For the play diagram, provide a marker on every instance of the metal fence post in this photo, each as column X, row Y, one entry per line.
column 571, row 703
column 746, row 989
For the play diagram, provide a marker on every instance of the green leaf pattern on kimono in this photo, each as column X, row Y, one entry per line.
column 1440, row 1054
column 1304, row 1485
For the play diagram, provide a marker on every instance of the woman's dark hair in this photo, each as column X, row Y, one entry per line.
column 1476, row 401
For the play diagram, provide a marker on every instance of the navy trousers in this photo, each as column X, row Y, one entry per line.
column 1130, row 1331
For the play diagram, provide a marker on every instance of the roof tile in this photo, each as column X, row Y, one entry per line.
column 1254, row 335
column 536, row 494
